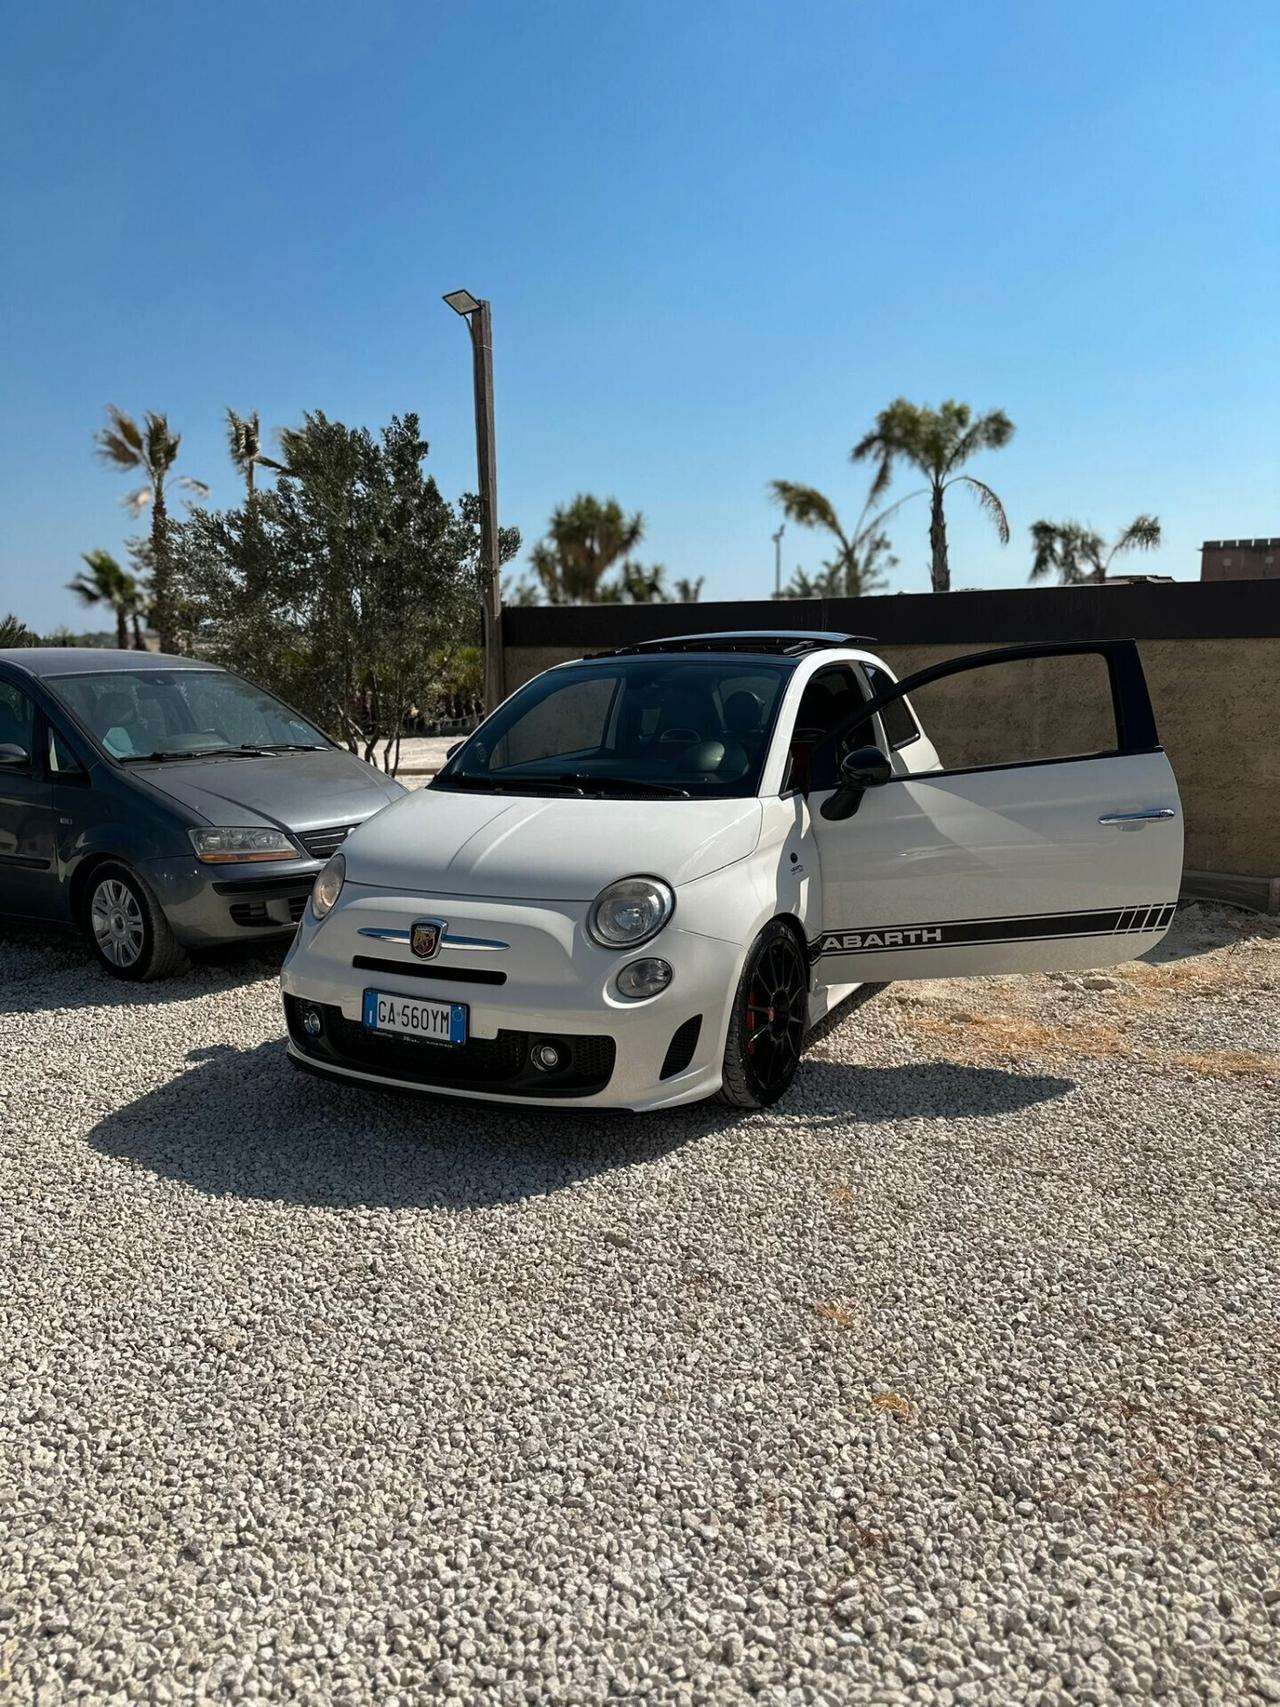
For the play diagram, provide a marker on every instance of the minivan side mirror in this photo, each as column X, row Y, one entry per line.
column 456, row 748
column 864, row 768
column 12, row 756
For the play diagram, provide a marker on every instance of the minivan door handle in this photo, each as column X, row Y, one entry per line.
column 1138, row 817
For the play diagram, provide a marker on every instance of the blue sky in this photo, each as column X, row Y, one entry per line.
column 718, row 238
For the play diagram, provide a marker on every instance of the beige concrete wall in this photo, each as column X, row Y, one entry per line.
column 1217, row 705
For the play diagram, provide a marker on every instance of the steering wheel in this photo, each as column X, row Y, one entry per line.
column 678, row 737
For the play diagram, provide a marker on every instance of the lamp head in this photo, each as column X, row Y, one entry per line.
column 462, row 302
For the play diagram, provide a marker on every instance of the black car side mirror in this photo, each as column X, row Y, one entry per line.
column 12, row 755
column 864, row 768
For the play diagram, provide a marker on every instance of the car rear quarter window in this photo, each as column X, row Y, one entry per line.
column 900, row 727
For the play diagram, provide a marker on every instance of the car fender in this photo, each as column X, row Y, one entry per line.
column 774, row 881
column 137, row 841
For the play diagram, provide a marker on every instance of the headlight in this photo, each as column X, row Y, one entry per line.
column 629, row 912
column 640, row 979
column 328, row 886
column 226, row 847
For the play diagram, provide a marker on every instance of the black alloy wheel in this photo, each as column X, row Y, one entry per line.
column 769, row 1020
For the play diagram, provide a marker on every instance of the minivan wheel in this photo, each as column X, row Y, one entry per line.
column 768, row 1023
column 127, row 927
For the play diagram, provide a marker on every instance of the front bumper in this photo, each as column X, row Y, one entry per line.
column 539, row 977
column 209, row 905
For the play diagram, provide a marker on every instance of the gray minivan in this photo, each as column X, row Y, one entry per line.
column 162, row 804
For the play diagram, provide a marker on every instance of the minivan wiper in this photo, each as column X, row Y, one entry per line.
column 285, row 747
column 166, row 753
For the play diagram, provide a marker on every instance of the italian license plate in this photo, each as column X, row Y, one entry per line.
column 431, row 1022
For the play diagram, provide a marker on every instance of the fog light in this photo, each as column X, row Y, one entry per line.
column 546, row 1057
column 311, row 1022
column 641, row 978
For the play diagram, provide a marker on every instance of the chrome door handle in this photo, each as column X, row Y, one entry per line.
column 1138, row 817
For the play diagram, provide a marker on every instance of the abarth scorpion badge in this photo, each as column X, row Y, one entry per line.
column 426, row 936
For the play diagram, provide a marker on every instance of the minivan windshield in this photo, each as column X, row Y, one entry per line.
column 646, row 727
column 176, row 714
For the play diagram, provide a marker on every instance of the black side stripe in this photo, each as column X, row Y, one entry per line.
column 1026, row 927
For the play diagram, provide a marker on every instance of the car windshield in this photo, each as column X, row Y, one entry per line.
column 660, row 727
column 141, row 714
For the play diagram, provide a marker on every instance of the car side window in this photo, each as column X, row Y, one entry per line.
column 1024, row 711
column 17, row 718
column 900, row 727
column 830, row 699
column 61, row 757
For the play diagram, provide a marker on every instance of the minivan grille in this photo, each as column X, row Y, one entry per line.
column 321, row 843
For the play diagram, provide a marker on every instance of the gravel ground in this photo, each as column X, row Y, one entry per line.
column 422, row 755
column 954, row 1380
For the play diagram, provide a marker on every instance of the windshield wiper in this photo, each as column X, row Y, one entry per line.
column 192, row 753
column 668, row 791
column 517, row 785
column 285, row 747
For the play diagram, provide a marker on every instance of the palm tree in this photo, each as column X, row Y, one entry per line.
column 15, row 633
column 938, row 442
column 150, row 450
column 244, row 440
column 108, row 584
column 860, row 553
column 584, row 541
column 1077, row 555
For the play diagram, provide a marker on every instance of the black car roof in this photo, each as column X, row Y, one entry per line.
column 788, row 642
column 46, row 661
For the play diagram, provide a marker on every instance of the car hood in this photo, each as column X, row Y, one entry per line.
column 292, row 791
column 437, row 842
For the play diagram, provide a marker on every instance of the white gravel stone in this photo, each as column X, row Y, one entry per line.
column 951, row 1380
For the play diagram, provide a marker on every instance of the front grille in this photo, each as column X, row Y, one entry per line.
column 250, row 913
column 266, row 885
column 415, row 969
column 498, row 1063
column 321, row 843
column 259, row 915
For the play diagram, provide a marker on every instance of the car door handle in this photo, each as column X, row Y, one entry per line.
column 1138, row 817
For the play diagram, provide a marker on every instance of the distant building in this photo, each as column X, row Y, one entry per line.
column 1240, row 560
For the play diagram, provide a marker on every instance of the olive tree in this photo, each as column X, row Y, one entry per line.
column 347, row 586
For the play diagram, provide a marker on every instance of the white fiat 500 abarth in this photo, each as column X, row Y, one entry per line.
column 649, row 874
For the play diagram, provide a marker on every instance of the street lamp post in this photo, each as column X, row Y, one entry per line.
column 777, row 560
column 479, row 319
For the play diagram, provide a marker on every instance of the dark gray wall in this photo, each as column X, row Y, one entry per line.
column 1211, row 652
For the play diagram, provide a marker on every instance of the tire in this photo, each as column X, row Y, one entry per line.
column 127, row 929
column 768, row 1023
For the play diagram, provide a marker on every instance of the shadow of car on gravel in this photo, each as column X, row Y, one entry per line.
column 244, row 1123
column 55, row 969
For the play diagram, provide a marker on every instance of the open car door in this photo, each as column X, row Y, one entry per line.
column 1024, row 865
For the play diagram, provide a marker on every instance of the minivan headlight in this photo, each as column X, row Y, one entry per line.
column 328, row 886
column 630, row 911
column 234, row 847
